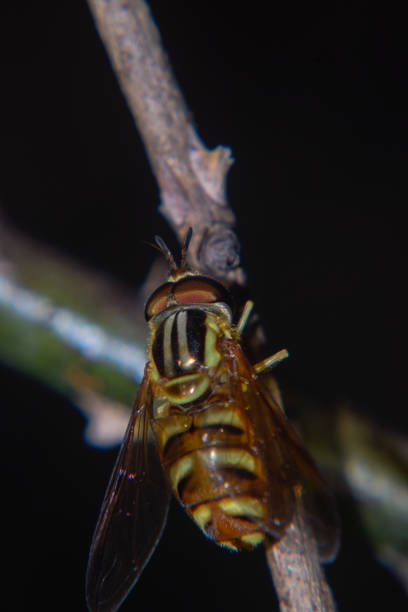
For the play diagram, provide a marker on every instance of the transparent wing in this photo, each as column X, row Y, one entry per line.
column 291, row 470
column 133, row 513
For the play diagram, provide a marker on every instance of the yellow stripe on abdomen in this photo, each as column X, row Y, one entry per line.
column 243, row 506
column 232, row 522
column 180, row 470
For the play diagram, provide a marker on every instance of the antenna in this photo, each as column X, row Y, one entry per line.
column 182, row 267
column 184, row 250
column 166, row 252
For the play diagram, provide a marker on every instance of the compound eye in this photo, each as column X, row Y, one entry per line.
column 158, row 300
column 201, row 290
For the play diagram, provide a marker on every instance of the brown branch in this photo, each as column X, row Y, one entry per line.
column 296, row 571
column 192, row 188
column 191, row 178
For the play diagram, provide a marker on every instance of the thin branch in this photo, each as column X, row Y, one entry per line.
column 296, row 571
column 191, row 178
column 78, row 333
column 192, row 187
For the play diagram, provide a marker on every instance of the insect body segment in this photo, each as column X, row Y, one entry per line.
column 214, row 469
column 184, row 353
column 206, row 427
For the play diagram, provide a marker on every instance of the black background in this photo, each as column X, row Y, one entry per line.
column 312, row 99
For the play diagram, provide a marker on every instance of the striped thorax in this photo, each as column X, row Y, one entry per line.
column 184, row 335
column 183, row 351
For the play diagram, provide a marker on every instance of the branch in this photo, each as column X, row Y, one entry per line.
column 296, row 571
column 81, row 335
column 191, row 178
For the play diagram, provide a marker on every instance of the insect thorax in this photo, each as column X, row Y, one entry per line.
column 184, row 352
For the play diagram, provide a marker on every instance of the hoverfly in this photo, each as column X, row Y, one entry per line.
column 205, row 426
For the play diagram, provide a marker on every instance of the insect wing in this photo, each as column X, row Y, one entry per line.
column 291, row 470
column 133, row 513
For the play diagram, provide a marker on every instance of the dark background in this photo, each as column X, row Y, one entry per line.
column 312, row 100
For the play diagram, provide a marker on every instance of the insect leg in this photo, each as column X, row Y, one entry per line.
column 270, row 362
column 244, row 318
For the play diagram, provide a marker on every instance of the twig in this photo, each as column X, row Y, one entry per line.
column 88, row 344
column 296, row 571
column 191, row 178
column 192, row 187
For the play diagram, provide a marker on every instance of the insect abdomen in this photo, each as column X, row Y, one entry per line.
column 216, row 473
